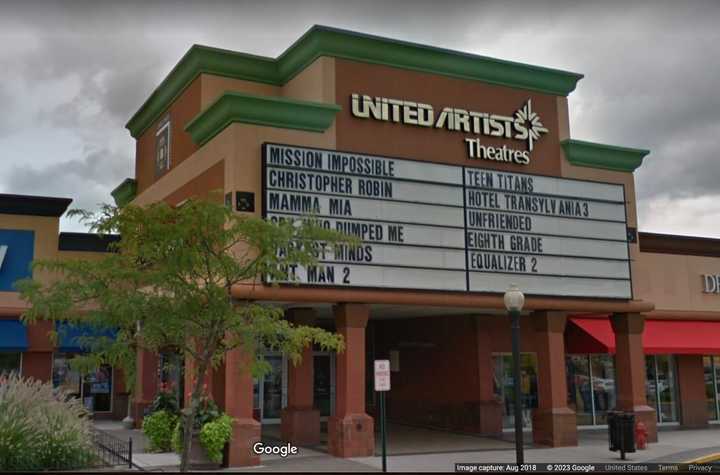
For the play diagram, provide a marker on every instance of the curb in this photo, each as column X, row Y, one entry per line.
column 710, row 458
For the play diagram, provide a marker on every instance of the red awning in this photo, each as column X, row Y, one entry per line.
column 693, row 337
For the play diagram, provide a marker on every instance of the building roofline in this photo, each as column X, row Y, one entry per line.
column 87, row 242
column 33, row 205
column 321, row 41
column 678, row 244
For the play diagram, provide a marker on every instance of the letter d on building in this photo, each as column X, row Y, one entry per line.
column 712, row 286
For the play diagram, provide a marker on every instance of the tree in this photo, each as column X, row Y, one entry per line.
column 169, row 283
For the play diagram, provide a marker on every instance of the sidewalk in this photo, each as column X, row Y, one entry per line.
column 675, row 446
column 422, row 450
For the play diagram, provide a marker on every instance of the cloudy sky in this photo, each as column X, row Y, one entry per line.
column 74, row 72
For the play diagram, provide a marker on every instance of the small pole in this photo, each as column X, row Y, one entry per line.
column 515, row 327
column 621, row 425
column 130, row 453
column 383, row 430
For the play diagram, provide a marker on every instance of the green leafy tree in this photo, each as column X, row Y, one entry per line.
column 169, row 284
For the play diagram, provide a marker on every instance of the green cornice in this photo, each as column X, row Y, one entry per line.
column 325, row 41
column 260, row 110
column 125, row 192
column 608, row 157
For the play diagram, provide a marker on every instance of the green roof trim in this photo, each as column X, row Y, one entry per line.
column 125, row 192
column 270, row 111
column 325, row 41
column 608, row 157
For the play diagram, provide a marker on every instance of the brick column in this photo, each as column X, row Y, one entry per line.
column 239, row 406
column 38, row 365
column 490, row 417
column 350, row 430
column 691, row 381
column 300, row 422
column 146, row 383
column 630, row 374
column 554, row 423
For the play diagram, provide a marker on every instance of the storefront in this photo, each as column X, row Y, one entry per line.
column 28, row 231
column 460, row 176
column 270, row 390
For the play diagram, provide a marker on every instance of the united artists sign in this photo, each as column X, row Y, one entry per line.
column 523, row 125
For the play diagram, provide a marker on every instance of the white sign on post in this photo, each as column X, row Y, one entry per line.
column 382, row 375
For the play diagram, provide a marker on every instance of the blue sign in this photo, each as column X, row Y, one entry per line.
column 16, row 254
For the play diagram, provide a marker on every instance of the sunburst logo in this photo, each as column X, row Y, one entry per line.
column 526, row 118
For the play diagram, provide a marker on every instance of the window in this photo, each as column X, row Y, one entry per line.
column 505, row 390
column 661, row 386
column 10, row 362
column 162, row 147
column 711, row 365
column 171, row 370
column 591, row 387
column 580, row 388
column 94, row 388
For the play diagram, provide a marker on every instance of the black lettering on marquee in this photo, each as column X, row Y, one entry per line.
column 293, row 203
column 340, row 207
column 296, row 157
column 396, row 233
column 321, row 274
column 498, row 262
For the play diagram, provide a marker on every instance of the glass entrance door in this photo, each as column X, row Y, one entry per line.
column 273, row 389
column 270, row 390
column 504, row 386
column 324, row 383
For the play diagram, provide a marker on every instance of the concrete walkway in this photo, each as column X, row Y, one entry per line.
column 423, row 450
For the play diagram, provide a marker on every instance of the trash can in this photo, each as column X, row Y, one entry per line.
column 627, row 439
column 621, row 432
column 613, row 435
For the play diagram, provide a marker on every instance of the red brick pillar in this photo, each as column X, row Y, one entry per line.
column 490, row 417
column 146, row 383
column 630, row 374
column 691, row 380
column 554, row 423
column 350, row 430
column 300, row 422
column 37, row 365
column 239, row 406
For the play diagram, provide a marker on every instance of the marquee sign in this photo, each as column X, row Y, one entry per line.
column 433, row 226
column 524, row 124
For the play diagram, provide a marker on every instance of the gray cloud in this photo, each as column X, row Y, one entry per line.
column 651, row 69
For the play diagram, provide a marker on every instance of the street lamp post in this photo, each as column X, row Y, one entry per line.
column 514, row 300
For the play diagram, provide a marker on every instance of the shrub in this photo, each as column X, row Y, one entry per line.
column 166, row 400
column 177, row 437
column 214, row 435
column 213, row 427
column 158, row 427
column 42, row 429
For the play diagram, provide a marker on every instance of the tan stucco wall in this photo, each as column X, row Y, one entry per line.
column 314, row 83
column 239, row 144
column 214, row 86
column 46, row 247
column 674, row 282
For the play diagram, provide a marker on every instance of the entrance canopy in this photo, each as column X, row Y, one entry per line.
column 595, row 335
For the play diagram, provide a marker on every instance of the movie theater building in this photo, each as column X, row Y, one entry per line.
column 460, row 176
column 29, row 228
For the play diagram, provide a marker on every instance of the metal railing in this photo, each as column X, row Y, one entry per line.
column 112, row 450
